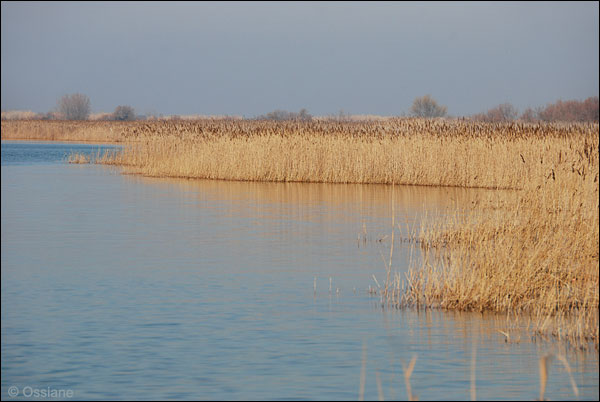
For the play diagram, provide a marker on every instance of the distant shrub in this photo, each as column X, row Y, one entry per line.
column 427, row 107
column 571, row 110
column 124, row 113
column 281, row 115
column 20, row 115
column 530, row 115
column 561, row 111
column 51, row 115
column 188, row 117
column 501, row 113
column 100, row 116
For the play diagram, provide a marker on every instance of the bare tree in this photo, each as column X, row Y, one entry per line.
column 508, row 112
column 343, row 116
column 426, row 106
column 124, row 113
column 74, row 107
column 571, row 110
column 530, row 115
column 501, row 113
column 304, row 115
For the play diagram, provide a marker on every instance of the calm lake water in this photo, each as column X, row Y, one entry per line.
column 123, row 287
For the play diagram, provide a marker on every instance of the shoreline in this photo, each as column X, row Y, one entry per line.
column 84, row 142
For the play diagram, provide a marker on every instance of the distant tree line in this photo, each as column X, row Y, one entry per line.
column 78, row 107
column 567, row 111
column 124, row 113
column 501, row 113
column 281, row 115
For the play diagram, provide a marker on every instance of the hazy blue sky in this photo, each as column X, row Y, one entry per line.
column 251, row 58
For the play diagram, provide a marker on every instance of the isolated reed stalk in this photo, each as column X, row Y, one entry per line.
column 473, row 372
column 379, row 386
column 407, row 374
column 389, row 265
column 363, row 373
column 565, row 363
column 544, row 363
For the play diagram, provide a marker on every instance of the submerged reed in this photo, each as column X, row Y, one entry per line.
column 78, row 158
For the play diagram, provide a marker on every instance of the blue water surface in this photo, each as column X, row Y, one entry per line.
column 43, row 153
column 124, row 287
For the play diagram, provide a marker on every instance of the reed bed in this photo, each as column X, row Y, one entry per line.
column 401, row 151
column 534, row 251
column 76, row 131
column 538, row 259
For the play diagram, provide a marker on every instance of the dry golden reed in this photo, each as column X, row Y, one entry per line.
column 407, row 374
column 59, row 130
column 79, row 158
column 400, row 151
column 533, row 250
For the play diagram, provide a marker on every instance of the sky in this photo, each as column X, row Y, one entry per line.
column 250, row 58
